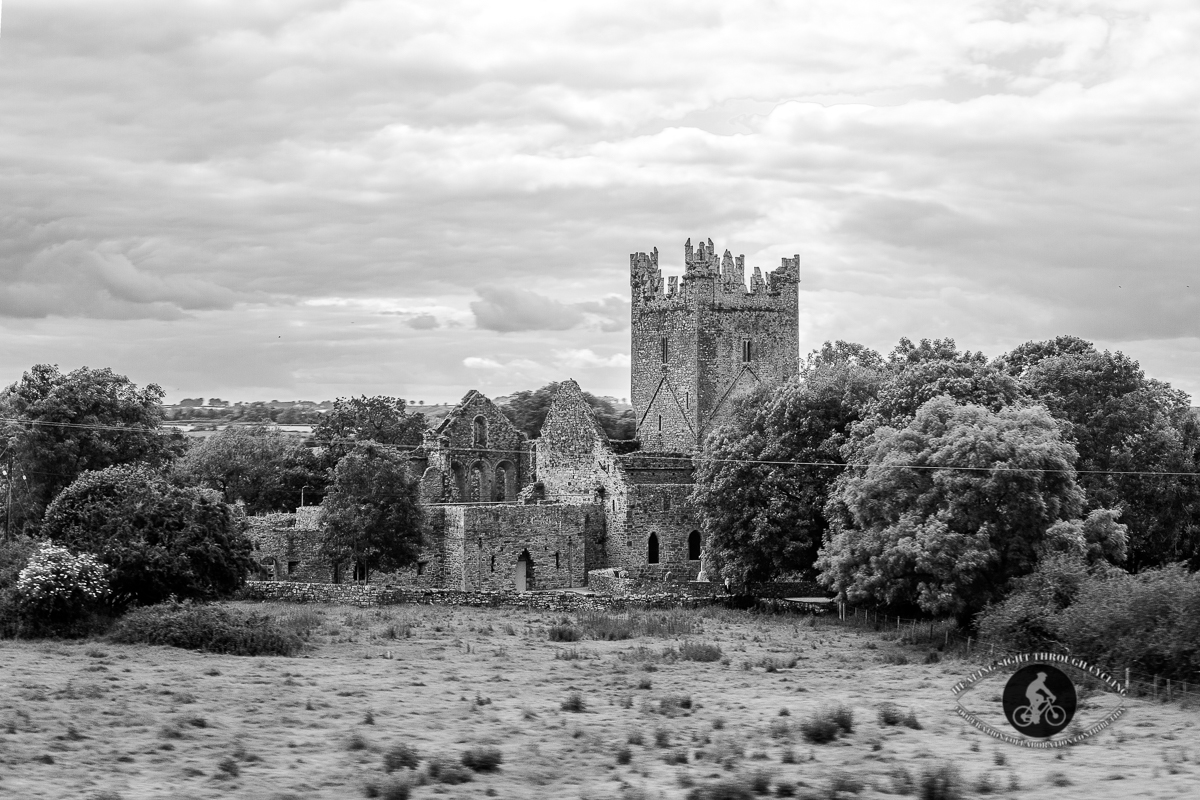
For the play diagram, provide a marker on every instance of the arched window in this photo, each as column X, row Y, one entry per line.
column 652, row 549
column 694, row 546
column 493, row 563
column 480, row 431
column 556, row 563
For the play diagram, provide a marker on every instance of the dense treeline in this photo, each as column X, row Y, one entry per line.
column 108, row 510
column 940, row 480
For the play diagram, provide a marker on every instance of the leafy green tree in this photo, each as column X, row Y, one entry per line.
column 762, row 515
column 257, row 464
column 920, row 372
column 951, row 508
column 371, row 514
column 59, row 426
column 385, row 420
column 157, row 539
column 527, row 410
column 1122, row 423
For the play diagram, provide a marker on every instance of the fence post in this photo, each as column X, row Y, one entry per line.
column 1155, row 687
column 968, row 645
column 1127, row 680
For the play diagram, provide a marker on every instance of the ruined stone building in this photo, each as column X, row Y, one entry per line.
column 504, row 512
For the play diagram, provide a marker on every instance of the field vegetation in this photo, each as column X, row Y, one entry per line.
column 409, row 701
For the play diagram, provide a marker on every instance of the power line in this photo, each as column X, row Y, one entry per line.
column 689, row 461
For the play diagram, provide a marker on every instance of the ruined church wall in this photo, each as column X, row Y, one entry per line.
column 563, row 543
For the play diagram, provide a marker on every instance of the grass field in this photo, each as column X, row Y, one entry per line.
column 704, row 703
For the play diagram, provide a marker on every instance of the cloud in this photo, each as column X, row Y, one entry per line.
column 574, row 359
column 508, row 309
column 399, row 182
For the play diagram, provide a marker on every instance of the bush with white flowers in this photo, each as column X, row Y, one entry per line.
column 58, row 586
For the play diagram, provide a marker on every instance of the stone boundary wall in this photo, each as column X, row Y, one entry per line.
column 375, row 595
column 603, row 581
column 372, row 595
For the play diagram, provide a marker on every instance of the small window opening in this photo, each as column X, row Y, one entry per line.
column 292, row 566
column 694, row 546
column 687, row 400
column 493, row 563
column 660, row 422
column 665, row 351
column 420, row 567
column 360, row 571
column 557, row 565
column 652, row 549
column 337, row 573
column 666, row 504
column 480, row 431
column 747, row 351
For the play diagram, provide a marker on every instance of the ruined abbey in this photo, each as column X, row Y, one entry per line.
column 571, row 507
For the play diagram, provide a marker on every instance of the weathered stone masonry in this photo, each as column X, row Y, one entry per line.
column 507, row 514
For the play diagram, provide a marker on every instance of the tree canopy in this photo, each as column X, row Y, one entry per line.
column 951, row 508
column 371, row 512
column 761, row 515
column 385, row 420
column 1121, row 422
column 157, row 539
column 66, row 424
column 256, row 464
column 527, row 411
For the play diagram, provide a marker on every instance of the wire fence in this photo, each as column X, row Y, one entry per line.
column 949, row 639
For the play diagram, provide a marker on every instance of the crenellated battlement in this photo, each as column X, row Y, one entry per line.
column 726, row 274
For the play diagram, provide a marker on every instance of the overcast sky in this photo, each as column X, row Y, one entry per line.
column 311, row 198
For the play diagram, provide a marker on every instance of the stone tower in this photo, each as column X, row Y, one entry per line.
column 699, row 344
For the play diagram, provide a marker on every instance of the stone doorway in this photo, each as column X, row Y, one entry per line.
column 524, row 572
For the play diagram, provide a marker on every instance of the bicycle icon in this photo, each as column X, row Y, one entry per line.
column 1026, row 716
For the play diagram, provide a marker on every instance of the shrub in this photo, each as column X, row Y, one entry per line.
column 941, row 783
column 208, row 628
column 564, row 633
column 760, row 781
column 699, row 651
column 445, row 771
column 356, row 742
column 392, row 788
column 824, row 725
column 399, row 756
column 624, row 755
column 890, row 714
column 227, row 766
column 574, row 703
column 841, row 783
column 1147, row 621
column 159, row 540
column 58, row 588
column 607, row 627
column 679, row 756
column 729, row 789
column 902, row 781
column 482, row 759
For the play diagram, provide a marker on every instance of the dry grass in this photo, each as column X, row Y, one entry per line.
column 429, row 702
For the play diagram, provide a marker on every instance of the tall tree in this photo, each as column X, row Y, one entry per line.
column 258, row 465
column 951, row 508
column 1123, row 423
column 920, row 372
column 59, row 425
column 158, row 539
column 372, row 513
column 763, row 515
column 385, row 420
